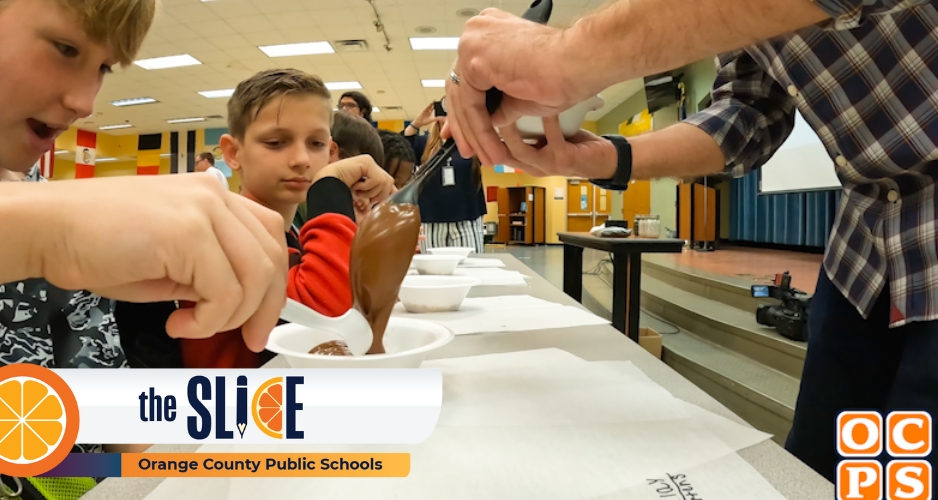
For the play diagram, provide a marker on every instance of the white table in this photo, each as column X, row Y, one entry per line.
column 789, row 476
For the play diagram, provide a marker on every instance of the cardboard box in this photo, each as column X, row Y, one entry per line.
column 650, row 340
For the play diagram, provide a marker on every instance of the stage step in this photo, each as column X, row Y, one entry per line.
column 730, row 327
column 726, row 289
column 760, row 395
column 720, row 348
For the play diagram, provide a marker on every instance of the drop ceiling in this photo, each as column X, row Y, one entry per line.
column 225, row 34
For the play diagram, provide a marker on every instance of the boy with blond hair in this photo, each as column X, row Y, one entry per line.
column 279, row 139
column 55, row 55
column 211, row 247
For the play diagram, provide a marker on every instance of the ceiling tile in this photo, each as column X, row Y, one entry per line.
column 251, row 24
column 289, row 20
column 212, row 28
column 224, row 35
column 177, row 32
column 266, row 38
column 229, row 9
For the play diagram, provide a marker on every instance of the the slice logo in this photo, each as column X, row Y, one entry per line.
column 267, row 408
column 902, row 435
column 38, row 420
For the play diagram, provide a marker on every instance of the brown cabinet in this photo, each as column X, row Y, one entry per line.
column 521, row 215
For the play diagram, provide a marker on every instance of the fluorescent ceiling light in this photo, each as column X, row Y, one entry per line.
column 102, row 160
column 297, row 49
column 660, row 81
column 168, row 62
column 375, row 109
column 434, row 43
column 133, row 102
column 115, row 127
column 343, row 85
column 433, row 84
column 186, row 120
column 215, row 94
column 61, row 151
column 166, row 155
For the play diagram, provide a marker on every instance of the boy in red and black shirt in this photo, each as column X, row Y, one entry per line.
column 279, row 140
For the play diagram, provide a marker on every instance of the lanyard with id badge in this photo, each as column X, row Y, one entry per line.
column 449, row 173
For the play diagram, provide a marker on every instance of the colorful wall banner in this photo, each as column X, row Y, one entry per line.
column 85, row 151
column 148, row 154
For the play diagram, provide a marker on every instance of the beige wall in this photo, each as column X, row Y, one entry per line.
column 664, row 191
column 556, row 216
column 609, row 124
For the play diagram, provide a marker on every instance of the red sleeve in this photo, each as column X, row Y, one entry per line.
column 321, row 279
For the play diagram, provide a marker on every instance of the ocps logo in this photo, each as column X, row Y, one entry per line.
column 904, row 435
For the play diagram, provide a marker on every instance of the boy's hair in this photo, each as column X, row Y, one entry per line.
column 209, row 157
column 355, row 136
column 396, row 147
column 399, row 157
column 119, row 24
column 254, row 93
column 363, row 103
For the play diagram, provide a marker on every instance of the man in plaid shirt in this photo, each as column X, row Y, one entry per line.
column 864, row 73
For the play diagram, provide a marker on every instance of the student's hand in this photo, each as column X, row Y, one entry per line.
column 422, row 237
column 363, row 176
column 362, row 209
column 424, row 118
column 170, row 237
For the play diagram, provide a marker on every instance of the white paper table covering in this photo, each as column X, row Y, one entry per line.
column 521, row 450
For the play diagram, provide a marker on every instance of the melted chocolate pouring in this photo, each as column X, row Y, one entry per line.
column 381, row 254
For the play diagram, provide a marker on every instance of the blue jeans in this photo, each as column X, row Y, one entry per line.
column 854, row 363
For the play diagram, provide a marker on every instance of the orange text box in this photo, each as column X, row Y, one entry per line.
column 265, row 464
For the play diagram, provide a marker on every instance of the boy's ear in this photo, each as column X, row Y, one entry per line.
column 229, row 149
column 333, row 151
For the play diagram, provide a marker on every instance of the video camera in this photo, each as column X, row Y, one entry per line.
column 791, row 317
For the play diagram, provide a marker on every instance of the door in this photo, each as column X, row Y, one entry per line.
column 636, row 201
column 602, row 206
column 579, row 206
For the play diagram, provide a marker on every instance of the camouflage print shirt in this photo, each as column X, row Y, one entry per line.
column 44, row 325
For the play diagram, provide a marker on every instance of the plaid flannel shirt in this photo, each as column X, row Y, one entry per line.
column 867, row 83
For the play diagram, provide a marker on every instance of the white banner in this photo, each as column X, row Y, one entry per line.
column 85, row 155
column 324, row 406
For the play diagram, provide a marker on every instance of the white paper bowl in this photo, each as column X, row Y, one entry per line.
column 532, row 127
column 407, row 342
column 436, row 264
column 460, row 251
column 422, row 294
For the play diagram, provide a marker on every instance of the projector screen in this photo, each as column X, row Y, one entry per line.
column 800, row 164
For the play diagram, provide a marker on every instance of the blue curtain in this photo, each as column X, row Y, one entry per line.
column 795, row 219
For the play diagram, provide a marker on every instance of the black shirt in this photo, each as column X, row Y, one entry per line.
column 463, row 200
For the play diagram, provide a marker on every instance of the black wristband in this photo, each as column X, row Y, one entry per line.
column 620, row 180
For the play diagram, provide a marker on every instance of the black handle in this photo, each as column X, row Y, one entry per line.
column 538, row 12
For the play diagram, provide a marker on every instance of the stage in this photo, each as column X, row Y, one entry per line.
column 748, row 265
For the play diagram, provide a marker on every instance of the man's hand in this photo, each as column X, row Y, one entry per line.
column 147, row 239
column 369, row 183
column 533, row 79
column 583, row 155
